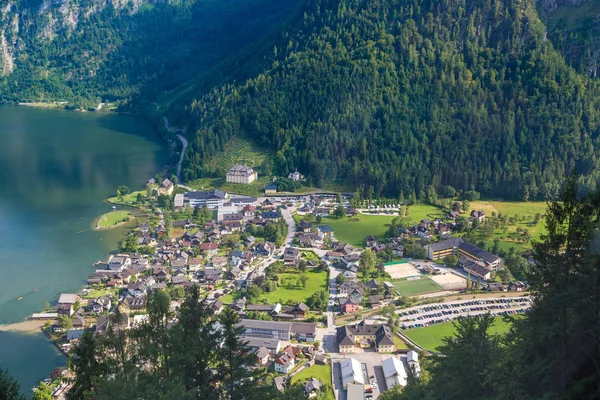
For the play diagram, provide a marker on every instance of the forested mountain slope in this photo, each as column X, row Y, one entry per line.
column 125, row 52
column 390, row 95
column 574, row 29
column 403, row 95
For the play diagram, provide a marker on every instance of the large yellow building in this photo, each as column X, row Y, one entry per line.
column 363, row 336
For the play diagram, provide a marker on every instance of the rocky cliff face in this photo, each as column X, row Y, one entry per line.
column 574, row 28
column 552, row 5
column 22, row 23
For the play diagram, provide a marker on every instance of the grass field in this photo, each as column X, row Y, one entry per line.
column 416, row 286
column 430, row 337
column 114, row 218
column 353, row 230
column 418, row 212
column 290, row 290
column 317, row 280
column 400, row 345
column 322, row 372
column 255, row 188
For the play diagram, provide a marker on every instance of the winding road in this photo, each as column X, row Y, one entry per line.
column 184, row 142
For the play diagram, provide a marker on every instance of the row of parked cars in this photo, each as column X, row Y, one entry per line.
column 447, row 319
column 435, row 307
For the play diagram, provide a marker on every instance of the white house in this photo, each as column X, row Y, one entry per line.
column 413, row 363
column 119, row 262
column 296, row 176
column 285, row 362
column 351, row 372
column 394, row 372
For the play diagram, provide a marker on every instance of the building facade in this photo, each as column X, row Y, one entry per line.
column 241, row 174
column 212, row 199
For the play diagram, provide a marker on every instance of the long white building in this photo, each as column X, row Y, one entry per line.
column 212, row 199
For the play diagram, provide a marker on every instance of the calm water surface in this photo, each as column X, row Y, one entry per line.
column 56, row 169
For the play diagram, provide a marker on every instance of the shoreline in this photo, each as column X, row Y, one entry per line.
column 26, row 326
column 97, row 227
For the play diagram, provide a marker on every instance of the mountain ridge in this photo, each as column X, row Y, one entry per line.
column 388, row 96
column 389, row 104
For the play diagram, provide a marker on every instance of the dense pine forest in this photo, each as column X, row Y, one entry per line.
column 394, row 96
column 404, row 95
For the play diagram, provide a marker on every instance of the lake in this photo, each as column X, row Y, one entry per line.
column 56, row 170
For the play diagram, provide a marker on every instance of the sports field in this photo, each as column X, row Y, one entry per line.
column 416, row 286
column 430, row 337
column 401, row 270
column 450, row 281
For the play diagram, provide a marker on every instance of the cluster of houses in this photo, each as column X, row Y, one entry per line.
column 198, row 256
column 353, row 294
column 427, row 228
column 266, row 339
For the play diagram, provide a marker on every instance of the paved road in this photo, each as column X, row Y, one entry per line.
column 287, row 216
column 184, row 142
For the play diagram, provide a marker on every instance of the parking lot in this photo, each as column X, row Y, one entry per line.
column 416, row 317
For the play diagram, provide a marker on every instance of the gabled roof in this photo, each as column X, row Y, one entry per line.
column 394, row 372
column 312, row 385
column 477, row 252
column 325, row 228
column 262, row 352
column 351, row 371
column 344, row 336
column 383, row 336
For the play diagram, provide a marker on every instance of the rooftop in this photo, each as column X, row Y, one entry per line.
column 68, row 298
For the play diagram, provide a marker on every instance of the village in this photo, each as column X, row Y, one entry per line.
column 335, row 317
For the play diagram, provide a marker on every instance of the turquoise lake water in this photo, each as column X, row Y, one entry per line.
column 56, row 170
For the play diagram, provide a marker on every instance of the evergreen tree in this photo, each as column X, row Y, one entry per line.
column 9, row 387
